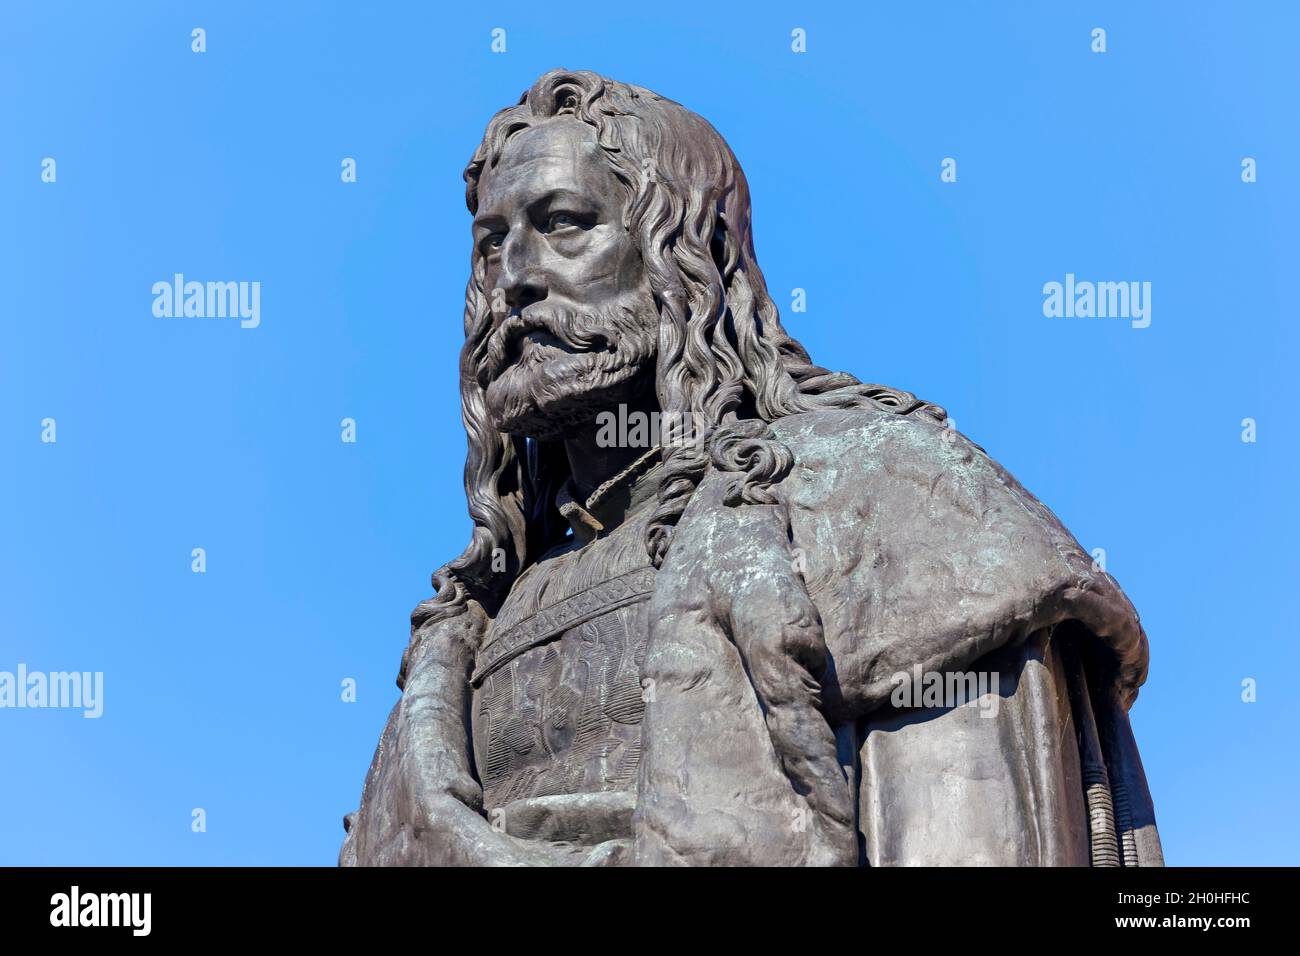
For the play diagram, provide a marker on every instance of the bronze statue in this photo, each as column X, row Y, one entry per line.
column 795, row 619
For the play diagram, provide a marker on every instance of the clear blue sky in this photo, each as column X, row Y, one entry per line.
column 222, row 690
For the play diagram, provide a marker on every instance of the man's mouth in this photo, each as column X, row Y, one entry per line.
column 534, row 346
column 536, row 343
column 532, row 340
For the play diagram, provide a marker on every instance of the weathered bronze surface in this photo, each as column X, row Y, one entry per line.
column 686, row 644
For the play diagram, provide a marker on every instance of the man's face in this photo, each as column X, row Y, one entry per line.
column 574, row 320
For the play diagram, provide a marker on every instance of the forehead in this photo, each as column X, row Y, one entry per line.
column 559, row 154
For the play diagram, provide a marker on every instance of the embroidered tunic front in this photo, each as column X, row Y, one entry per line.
column 557, row 704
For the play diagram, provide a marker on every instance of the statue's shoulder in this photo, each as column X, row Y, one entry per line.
column 826, row 424
column 856, row 459
column 871, row 439
column 903, row 520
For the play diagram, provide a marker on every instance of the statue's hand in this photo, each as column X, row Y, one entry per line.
column 421, row 805
column 586, row 819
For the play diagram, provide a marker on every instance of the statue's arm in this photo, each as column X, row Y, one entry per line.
column 421, row 805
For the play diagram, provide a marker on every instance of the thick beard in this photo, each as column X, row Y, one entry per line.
column 551, row 371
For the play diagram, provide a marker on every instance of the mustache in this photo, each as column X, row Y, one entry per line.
column 572, row 331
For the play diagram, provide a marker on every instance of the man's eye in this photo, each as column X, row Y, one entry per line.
column 561, row 220
column 495, row 241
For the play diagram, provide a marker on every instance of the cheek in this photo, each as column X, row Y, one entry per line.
column 631, row 271
column 490, row 280
column 605, row 256
column 623, row 251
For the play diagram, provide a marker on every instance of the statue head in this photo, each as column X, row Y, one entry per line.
column 574, row 324
column 612, row 255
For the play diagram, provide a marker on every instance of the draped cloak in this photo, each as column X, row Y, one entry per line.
column 921, row 555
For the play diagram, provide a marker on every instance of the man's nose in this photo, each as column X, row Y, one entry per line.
column 522, row 279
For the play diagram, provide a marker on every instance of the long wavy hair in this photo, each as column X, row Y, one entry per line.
column 724, row 363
